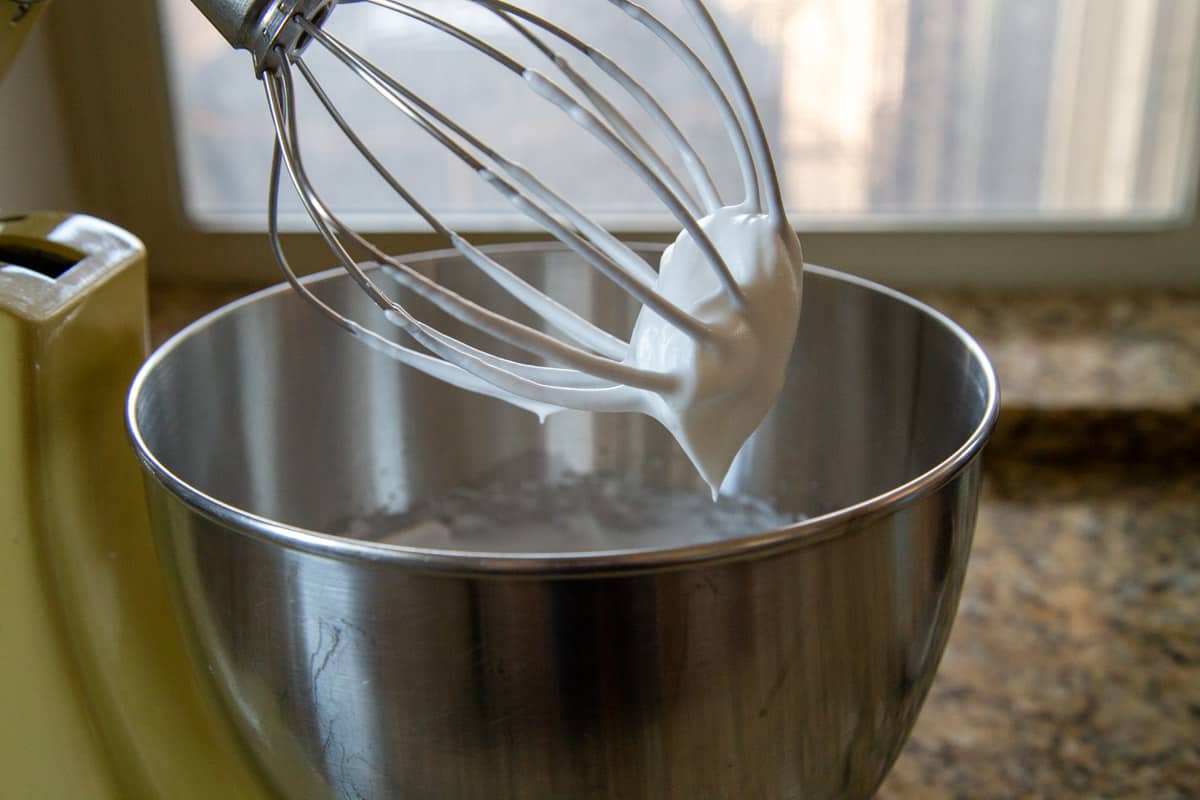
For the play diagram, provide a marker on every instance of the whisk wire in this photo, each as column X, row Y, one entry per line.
column 615, row 119
column 653, row 108
column 281, row 97
column 729, row 116
column 431, row 365
column 621, row 262
column 448, row 366
column 571, row 324
column 761, row 151
column 588, row 120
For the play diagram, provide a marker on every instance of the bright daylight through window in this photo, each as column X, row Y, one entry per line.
column 882, row 112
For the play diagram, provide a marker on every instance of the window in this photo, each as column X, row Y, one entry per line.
column 921, row 141
column 897, row 111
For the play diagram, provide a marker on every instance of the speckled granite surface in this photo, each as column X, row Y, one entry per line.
column 1061, row 350
column 1109, row 375
column 1073, row 670
column 1074, row 667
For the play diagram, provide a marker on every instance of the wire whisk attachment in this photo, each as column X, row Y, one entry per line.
column 709, row 348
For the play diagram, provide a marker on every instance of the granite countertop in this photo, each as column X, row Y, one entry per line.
column 1073, row 670
column 1074, row 667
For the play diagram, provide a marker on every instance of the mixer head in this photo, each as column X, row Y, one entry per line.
column 582, row 365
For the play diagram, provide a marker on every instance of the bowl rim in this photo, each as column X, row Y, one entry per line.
column 805, row 533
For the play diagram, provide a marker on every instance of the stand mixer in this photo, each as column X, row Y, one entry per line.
column 99, row 699
column 319, row 663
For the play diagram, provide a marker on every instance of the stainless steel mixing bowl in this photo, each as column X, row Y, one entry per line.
column 787, row 663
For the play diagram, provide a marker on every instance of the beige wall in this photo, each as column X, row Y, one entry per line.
column 36, row 171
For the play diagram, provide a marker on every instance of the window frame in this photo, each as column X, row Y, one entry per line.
column 136, row 183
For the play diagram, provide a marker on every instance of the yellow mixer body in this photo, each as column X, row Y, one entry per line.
column 99, row 699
